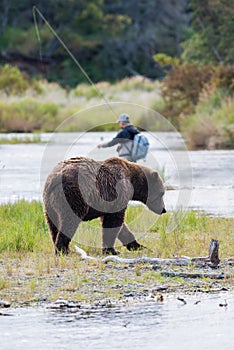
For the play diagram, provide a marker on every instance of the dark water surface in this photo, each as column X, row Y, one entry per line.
column 200, row 324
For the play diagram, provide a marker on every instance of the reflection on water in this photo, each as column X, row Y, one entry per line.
column 200, row 324
column 202, row 179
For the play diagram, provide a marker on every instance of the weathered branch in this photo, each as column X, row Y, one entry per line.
column 217, row 276
column 212, row 260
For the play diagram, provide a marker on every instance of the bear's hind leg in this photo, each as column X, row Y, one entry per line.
column 52, row 224
column 66, row 231
column 111, row 224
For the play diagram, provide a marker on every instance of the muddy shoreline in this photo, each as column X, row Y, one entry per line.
column 67, row 281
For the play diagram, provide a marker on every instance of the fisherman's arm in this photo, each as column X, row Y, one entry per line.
column 119, row 138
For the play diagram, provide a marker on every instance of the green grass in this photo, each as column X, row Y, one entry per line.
column 17, row 140
column 30, row 271
column 23, row 229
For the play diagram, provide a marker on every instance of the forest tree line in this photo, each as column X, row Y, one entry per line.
column 114, row 39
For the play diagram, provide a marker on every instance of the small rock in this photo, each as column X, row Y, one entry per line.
column 61, row 303
column 160, row 298
column 160, row 288
column 182, row 300
column 225, row 304
column 42, row 299
column 128, row 294
column 4, row 303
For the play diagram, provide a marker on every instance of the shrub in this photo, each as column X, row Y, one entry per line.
column 182, row 88
column 12, row 81
column 87, row 91
column 165, row 60
column 199, row 132
column 224, row 77
column 28, row 115
column 212, row 124
column 136, row 83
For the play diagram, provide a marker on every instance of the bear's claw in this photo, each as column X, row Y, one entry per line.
column 109, row 251
column 134, row 246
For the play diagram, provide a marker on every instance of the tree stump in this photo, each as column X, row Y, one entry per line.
column 214, row 252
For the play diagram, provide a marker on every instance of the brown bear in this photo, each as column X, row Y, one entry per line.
column 82, row 189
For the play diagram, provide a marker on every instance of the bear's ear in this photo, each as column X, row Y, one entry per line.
column 154, row 175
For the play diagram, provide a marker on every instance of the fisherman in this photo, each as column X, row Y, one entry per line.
column 124, row 138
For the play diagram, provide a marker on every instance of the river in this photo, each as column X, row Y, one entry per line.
column 202, row 180
column 202, row 323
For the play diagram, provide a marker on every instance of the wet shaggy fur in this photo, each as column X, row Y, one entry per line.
column 82, row 189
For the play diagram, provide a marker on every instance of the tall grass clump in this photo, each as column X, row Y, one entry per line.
column 189, row 233
column 23, row 227
column 212, row 123
column 28, row 115
column 30, row 138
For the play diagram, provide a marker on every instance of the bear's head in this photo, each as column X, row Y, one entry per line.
column 155, row 193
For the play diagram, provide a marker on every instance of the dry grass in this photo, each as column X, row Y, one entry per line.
column 27, row 111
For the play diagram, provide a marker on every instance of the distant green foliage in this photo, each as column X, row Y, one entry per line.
column 182, row 88
column 185, row 85
column 224, row 77
column 111, row 40
column 12, row 81
column 210, row 33
column 165, row 60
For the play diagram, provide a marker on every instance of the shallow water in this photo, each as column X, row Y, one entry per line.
column 203, row 180
column 200, row 324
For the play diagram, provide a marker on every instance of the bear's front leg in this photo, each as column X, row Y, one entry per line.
column 111, row 225
column 128, row 239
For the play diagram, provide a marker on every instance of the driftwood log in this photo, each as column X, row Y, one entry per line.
column 217, row 276
column 211, row 260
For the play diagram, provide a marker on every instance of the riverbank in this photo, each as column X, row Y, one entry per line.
column 32, row 275
column 39, row 279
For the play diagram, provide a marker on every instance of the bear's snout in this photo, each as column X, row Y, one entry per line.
column 163, row 211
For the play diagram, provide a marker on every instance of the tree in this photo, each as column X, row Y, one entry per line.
column 110, row 40
column 212, row 30
column 154, row 26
